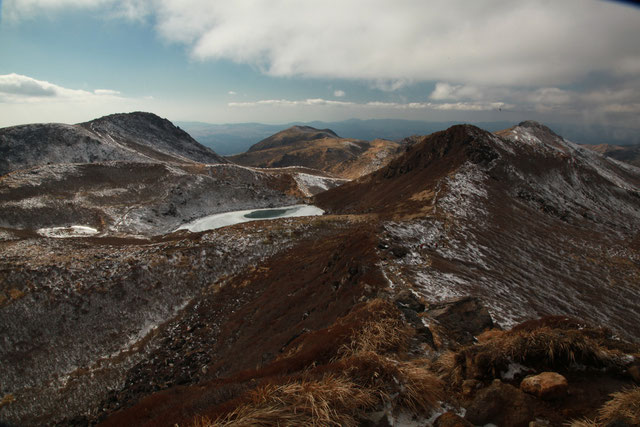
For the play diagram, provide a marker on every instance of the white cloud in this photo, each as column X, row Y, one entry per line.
column 16, row 87
column 339, row 93
column 447, row 91
column 106, row 92
column 290, row 103
column 232, row 93
column 493, row 42
column 458, row 106
column 24, row 99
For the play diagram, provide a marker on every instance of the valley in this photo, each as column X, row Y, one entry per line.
column 146, row 280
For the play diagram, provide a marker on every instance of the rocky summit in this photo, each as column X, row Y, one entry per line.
column 462, row 278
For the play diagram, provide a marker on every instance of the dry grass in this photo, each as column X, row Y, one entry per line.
column 623, row 409
column 367, row 372
column 543, row 348
column 421, row 390
column 379, row 336
column 583, row 423
column 330, row 401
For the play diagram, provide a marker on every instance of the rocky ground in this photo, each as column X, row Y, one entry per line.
column 475, row 279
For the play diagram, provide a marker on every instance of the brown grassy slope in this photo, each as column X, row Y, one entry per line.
column 293, row 135
column 317, row 154
column 318, row 149
column 344, row 158
column 247, row 323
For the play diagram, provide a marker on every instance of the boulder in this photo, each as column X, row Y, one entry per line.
column 461, row 318
column 547, row 385
column 500, row 404
column 449, row 419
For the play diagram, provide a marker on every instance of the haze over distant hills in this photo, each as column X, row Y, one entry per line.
column 230, row 139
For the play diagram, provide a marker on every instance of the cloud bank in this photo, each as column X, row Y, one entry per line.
column 493, row 42
column 577, row 57
column 24, row 99
column 18, row 88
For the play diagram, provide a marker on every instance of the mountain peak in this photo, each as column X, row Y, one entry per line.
column 312, row 130
column 293, row 135
column 132, row 137
column 537, row 126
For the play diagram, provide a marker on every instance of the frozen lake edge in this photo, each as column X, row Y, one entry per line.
column 225, row 219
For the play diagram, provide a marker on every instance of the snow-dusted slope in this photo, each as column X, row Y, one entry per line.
column 531, row 223
column 135, row 198
column 133, row 137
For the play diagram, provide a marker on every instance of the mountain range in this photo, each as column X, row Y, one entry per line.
column 462, row 276
column 236, row 138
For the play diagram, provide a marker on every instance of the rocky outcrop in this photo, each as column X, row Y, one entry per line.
column 461, row 318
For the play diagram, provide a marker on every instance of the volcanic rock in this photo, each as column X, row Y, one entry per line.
column 449, row 419
column 501, row 404
column 547, row 385
column 462, row 318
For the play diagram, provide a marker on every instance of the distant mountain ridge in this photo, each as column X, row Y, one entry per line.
column 320, row 149
column 624, row 153
column 234, row 138
column 135, row 137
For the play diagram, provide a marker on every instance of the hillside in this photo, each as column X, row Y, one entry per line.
column 133, row 137
column 131, row 174
column 318, row 149
column 137, row 198
column 479, row 208
column 292, row 136
column 430, row 291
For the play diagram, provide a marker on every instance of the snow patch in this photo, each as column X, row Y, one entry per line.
column 212, row 222
column 512, row 370
column 314, row 184
column 70, row 231
column 464, row 189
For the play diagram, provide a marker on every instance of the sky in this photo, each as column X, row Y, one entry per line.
column 279, row 61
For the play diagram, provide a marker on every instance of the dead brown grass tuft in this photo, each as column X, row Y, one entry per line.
column 330, row 401
column 622, row 410
column 420, row 390
column 583, row 423
column 542, row 348
column 379, row 336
